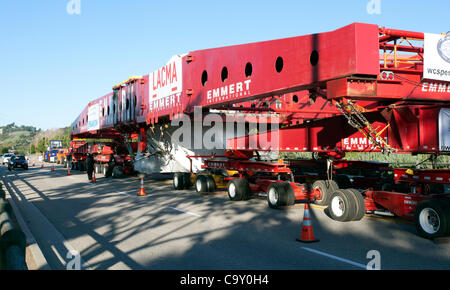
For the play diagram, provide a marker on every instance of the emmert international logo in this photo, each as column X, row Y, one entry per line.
column 443, row 48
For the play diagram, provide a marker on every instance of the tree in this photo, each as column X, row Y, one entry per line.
column 32, row 148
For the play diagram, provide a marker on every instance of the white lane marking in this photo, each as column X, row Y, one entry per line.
column 186, row 212
column 123, row 192
column 335, row 258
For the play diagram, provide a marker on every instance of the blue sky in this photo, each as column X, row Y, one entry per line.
column 53, row 63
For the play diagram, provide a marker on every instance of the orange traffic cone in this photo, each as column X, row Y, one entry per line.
column 307, row 235
column 142, row 189
column 93, row 180
column 68, row 172
column 42, row 166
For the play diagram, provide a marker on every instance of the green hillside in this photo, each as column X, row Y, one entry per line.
column 29, row 139
column 14, row 137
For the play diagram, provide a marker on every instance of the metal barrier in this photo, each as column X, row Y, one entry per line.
column 12, row 240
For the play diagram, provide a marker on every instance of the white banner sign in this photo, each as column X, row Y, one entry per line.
column 436, row 57
column 93, row 117
column 166, row 84
column 444, row 130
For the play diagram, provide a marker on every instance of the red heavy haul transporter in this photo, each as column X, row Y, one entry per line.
column 359, row 88
column 110, row 158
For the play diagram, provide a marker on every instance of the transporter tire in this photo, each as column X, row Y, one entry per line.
column 238, row 189
column 342, row 206
column 201, row 184
column 326, row 188
column 432, row 218
column 187, row 183
column 210, row 183
column 117, row 172
column 290, row 195
column 178, row 181
column 280, row 194
column 275, row 195
column 359, row 203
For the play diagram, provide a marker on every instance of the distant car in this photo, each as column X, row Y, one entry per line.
column 18, row 161
column 6, row 158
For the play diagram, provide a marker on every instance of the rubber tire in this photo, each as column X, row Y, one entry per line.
column 442, row 207
column 210, row 183
column 349, row 205
column 118, row 172
column 187, row 180
column 278, row 190
column 285, row 192
column 201, row 184
column 289, row 196
column 242, row 189
column 178, row 181
column 359, row 203
column 326, row 187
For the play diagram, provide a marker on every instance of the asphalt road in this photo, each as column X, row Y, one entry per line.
column 113, row 228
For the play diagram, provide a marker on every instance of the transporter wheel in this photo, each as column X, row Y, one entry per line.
column 290, row 195
column 280, row 194
column 238, row 189
column 324, row 189
column 187, row 180
column 275, row 195
column 201, row 184
column 342, row 206
column 210, row 183
column 118, row 172
column 178, row 181
column 432, row 218
column 360, row 206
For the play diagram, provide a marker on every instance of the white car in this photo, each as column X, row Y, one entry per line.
column 7, row 157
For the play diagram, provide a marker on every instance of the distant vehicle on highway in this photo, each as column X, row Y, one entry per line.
column 18, row 161
column 51, row 155
column 6, row 157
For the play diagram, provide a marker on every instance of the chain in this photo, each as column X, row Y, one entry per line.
column 362, row 124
